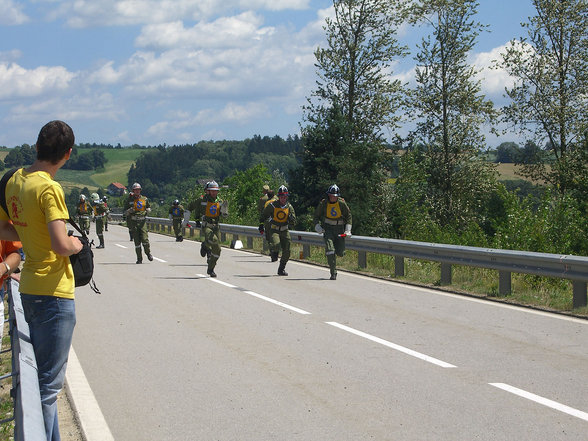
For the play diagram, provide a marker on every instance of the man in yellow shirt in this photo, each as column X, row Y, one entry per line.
column 36, row 206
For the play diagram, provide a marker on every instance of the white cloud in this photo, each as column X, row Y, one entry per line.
column 237, row 31
column 94, row 107
column 16, row 81
column 493, row 79
column 89, row 13
column 231, row 113
column 11, row 13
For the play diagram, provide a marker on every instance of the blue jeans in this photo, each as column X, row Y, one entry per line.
column 51, row 323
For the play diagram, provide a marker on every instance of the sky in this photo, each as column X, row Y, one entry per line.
column 150, row 72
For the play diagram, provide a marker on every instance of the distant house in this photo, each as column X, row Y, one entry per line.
column 116, row 189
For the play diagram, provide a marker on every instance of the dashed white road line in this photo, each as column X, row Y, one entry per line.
column 394, row 346
column 254, row 294
column 284, row 305
column 120, row 246
column 541, row 400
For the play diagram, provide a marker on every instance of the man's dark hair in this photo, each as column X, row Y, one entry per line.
column 55, row 139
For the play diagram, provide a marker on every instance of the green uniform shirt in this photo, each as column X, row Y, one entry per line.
column 206, row 208
column 275, row 214
column 177, row 211
column 332, row 214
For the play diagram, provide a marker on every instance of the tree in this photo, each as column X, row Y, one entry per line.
column 354, row 103
column 354, row 69
column 548, row 99
column 507, row 152
column 449, row 109
column 245, row 189
column 14, row 158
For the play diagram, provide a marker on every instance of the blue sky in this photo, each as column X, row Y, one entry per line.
column 179, row 71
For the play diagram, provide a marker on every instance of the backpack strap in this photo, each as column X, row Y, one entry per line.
column 73, row 223
column 3, row 183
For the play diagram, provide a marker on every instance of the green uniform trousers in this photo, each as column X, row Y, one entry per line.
column 141, row 237
column 334, row 245
column 211, row 233
column 84, row 224
column 177, row 225
column 100, row 229
column 280, row 240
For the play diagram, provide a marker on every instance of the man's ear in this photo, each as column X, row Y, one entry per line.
column 68, row 154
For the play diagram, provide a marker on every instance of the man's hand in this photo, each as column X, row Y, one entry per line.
column 319, row 229
column 348, row 230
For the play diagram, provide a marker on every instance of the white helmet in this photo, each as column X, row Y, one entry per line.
column 212, row 185
column 136, row 185
column 82, row 197
column 334, row 190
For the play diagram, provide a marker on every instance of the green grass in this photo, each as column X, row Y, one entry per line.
column 116, row 169
column 6, row 403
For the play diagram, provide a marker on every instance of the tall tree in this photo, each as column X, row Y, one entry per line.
column 354, row 69
column 549, row 98
column 354, row 103
column 449, row 108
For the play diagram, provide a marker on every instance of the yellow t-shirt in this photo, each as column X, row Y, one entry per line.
column 33, row 200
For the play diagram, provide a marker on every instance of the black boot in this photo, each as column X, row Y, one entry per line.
column 101, row 242
column 281, row 270
column 274, row 256
column 211, row 273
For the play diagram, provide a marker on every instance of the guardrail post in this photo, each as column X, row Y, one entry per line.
column 250, row 242
column 579, row 289
column 445, row 274
column 504, row 283
column 192, row 231
column 306, row 251
column 398, row 266
column 223, row 236
column 169, row 227
column 265, row 246
column 362, row 259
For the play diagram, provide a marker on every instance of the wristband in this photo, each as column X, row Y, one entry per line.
column 7, row 267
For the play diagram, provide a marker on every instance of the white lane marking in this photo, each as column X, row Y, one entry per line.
column 284, row 305
column 541, row 400
column 159, row 260
column 407, row 351
column 254, row 294
column 220, row 282
column 92, row 422
column 121, row 246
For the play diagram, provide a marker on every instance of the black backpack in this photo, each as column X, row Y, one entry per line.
column 82, row 263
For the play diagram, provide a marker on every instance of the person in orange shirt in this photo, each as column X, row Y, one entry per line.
column 9, row 259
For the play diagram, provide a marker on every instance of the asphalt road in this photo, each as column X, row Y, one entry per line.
column 171, row 354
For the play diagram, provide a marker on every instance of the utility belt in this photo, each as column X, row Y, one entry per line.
column 138, row 217
column 279, row 227
column 334, row 221
column 212, row 223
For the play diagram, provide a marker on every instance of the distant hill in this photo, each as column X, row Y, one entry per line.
column 117, row 167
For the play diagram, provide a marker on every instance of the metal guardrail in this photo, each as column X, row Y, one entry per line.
column 28, row 414
column 506, row 262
